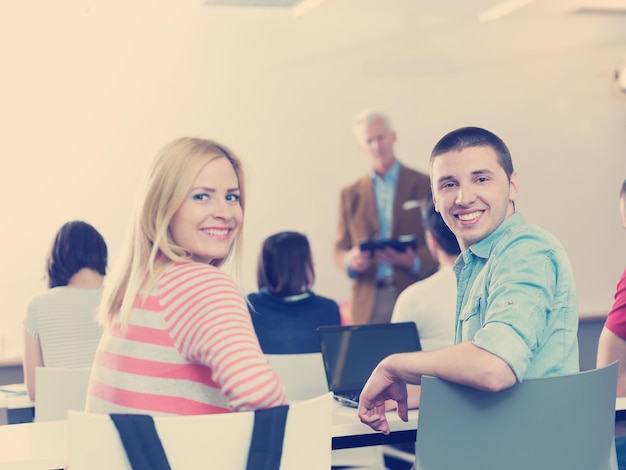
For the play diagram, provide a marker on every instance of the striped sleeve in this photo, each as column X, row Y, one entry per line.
column 207, row 317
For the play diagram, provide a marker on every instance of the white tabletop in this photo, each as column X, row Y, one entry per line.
column 43, row 445
column 15, row 406
column 346, row 422
column 33, row 446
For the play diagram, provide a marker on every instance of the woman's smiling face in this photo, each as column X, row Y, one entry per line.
column 208, row 221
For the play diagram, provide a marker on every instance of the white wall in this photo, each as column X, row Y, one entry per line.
column 91, row 89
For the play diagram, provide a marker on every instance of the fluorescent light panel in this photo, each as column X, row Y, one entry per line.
column 305, row 6
column 502, row 9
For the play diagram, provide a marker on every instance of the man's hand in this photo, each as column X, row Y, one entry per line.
column 379, row 388
column 359, row 260
column 403, row 259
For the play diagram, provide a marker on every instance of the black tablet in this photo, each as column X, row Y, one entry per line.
column 398, row 244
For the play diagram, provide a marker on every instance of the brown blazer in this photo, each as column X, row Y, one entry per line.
column 358, row 221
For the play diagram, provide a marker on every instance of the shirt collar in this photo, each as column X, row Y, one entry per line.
column 483, row 248
column 390, row 177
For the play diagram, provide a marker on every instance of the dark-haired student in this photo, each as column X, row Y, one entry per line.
column 60, row 327
column 285, row 311
column 517, row 311
column 431, row 302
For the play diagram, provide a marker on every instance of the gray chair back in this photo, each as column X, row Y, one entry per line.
column 551, row 423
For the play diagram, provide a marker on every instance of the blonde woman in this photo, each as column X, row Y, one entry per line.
column 178, row 337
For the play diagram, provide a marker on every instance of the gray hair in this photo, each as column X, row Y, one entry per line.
column 367, row 116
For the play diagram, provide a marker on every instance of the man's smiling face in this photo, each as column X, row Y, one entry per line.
column 472, row 192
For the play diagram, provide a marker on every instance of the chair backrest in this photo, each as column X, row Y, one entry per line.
column 303, row 374
column 564, row 422
column 58, row 390
column 304, row 377
column 206, row 441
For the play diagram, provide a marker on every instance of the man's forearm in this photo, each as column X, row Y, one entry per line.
column 462, row 363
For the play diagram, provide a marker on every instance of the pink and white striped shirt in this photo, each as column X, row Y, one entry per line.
column 190, row 348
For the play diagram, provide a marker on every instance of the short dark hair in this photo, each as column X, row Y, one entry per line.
column 77, row 245
column 285, row 264
column 465, row 137
column 622, row 193
column 433, row 222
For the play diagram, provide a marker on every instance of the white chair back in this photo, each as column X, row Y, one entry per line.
column 564, row 422
column 303, row 374
column 58, row 390
column 206, row 441
column 304, row 377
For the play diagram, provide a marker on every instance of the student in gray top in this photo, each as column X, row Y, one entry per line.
column 60, row 329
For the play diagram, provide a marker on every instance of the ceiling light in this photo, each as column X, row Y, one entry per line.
column 304, row 7
column 502, row 9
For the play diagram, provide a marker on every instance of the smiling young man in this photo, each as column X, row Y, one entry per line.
column 517, row 312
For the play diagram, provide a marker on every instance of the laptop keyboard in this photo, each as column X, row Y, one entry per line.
column 354, row 396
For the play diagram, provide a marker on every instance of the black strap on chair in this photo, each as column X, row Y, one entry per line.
column 266, row 445
column 141, row 441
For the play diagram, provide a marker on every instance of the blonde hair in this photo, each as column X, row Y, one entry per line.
column 149, row 247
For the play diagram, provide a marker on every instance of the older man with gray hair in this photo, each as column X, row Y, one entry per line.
column 384, row 204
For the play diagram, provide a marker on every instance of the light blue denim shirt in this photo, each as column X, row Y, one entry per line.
column 517, row 300
column 384, row 192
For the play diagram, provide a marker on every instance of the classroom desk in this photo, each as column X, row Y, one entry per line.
column 11, row 370
column 349, row 432
column 43, row 445
column 15, row 406
column 33, row 446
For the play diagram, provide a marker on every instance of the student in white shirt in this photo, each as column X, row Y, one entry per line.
column 431, row 302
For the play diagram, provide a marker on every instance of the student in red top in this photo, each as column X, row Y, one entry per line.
column 612, row 343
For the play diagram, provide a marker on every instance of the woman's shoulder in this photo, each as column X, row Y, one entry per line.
column 265, row 300
column 193, row 279
column 63, row 294
column 192, row 270
column 325, row 300
column 327, row 305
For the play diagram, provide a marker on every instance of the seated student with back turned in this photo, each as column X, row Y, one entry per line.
column 517, row 313
column 431, row 302
column 286, row 312
column 60, row 327
column 178, row 337
column 612, row 343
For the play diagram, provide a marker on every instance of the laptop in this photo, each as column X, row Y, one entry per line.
column 351, row 352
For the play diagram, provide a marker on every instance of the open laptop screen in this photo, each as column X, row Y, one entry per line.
column 351, row 352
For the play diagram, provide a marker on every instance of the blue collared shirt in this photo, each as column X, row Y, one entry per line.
column 384, row 195
column 517, row 300
column 384, row 192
